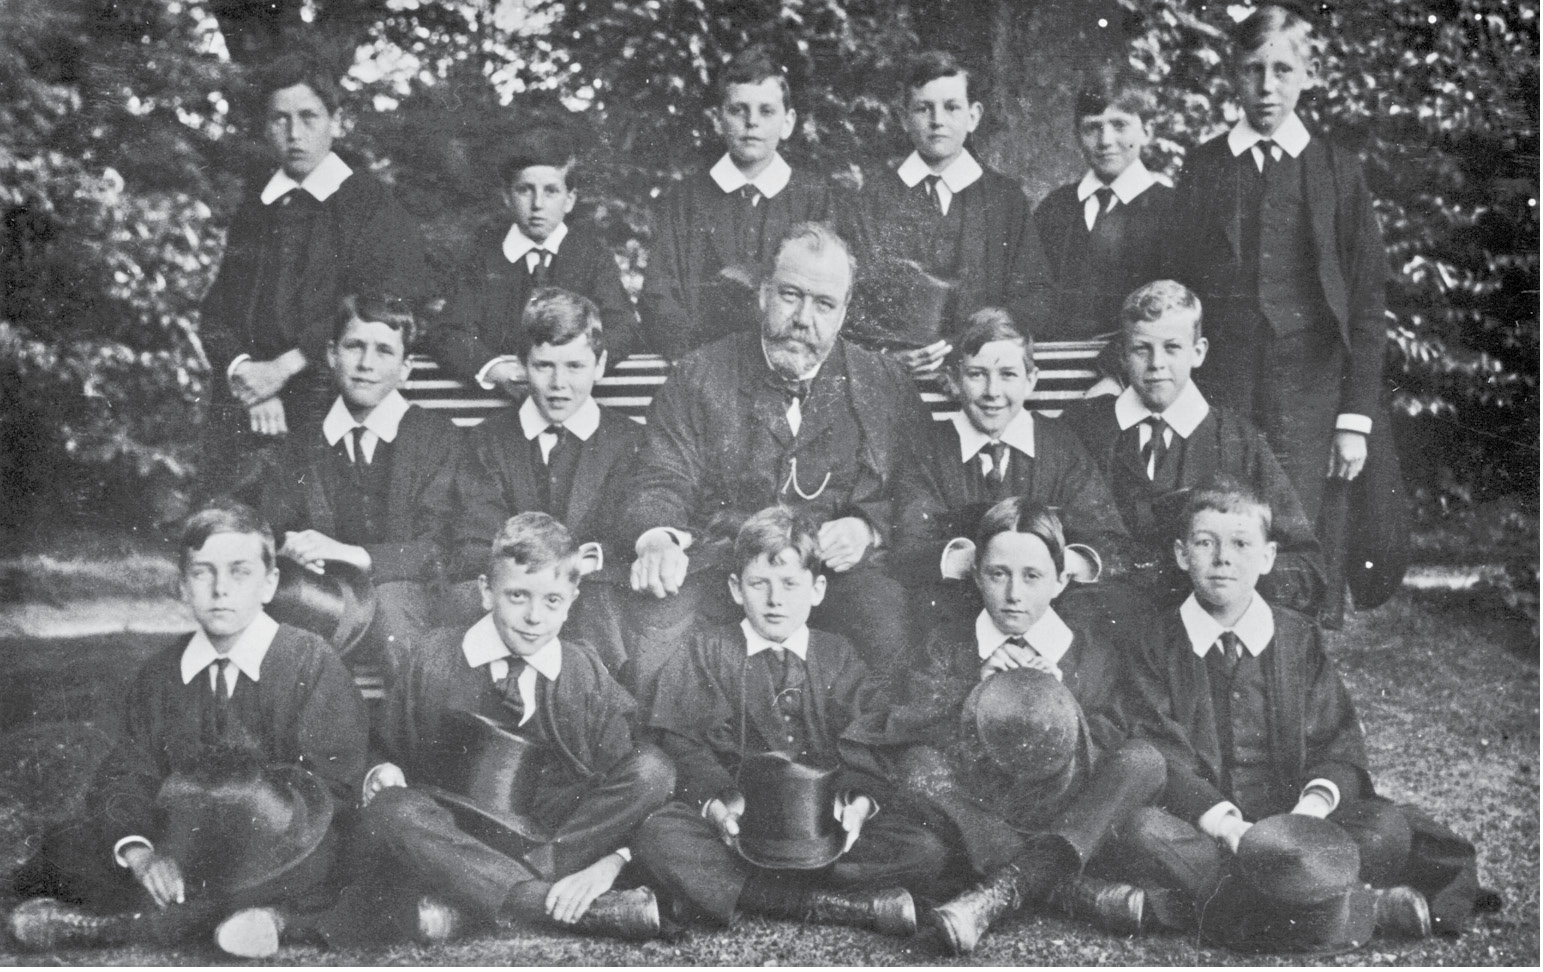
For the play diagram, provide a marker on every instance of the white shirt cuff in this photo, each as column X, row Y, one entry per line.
column 625, row 853
column 682, row 539
column 482, row 373
column 1325, row 787
column 240, row 359
column 127, row 842
column 1350, row 422
column 1211, row 822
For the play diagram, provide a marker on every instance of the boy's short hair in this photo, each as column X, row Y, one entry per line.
column 1293, row 20
column 982, row 327
column 752, row 66
column 544, row 145
column 394, row 312
column 772, row 532
column 1156, row 300
column 928, row 66
column 1114, row 86
column 535, row 541
column 1019, row 514
column 553, row 315
column 224, row 516
column 290, row 70
column 1224, row 494
column 819, row 237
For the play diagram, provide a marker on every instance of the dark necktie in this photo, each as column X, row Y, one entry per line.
column 998, row 453
column 562, row 440
column 360, row 459
column 792, row 389
column 1152, row 453
column 540, row 266
column 786, row 666
column 1018, row 640
column 1231, row 646
column 1267, row 150
column 751, row 195
column 930, row 187
column 509, row 689
column 221, row 690
column 1104, row 196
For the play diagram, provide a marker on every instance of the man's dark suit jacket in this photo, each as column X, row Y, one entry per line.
column 304, row 493
column 499, row 477
column 482, row 319
column 1206, row 254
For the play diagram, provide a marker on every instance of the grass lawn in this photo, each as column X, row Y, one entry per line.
column 1447, row 689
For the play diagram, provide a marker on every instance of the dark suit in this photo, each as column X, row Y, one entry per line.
column 482, row 318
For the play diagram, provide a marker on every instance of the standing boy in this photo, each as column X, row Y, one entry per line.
column 715, row 229
column 1104, row 235
column 1160, row 437
column 478, row 336
column 370, row 488
column 770, row 684
column 943, row 224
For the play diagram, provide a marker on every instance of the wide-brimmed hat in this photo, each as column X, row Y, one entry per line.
column 484, row 776
column 790, row 813
column 1026, row 721
column 338, row 605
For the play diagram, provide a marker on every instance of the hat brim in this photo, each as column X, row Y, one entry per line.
column 1343, row 923
column 511, row 834
column 801, row 854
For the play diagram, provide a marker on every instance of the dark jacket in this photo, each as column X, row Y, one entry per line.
column 482, row 318
column 304, row 493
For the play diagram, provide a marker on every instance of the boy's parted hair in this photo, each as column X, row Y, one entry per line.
column 1293, row 20
column 982, row 327
column 752, row 66
column 772, row 532
column 1224, row 494
column 1114, row 86
column 290, row 70
column 1158, row 299
column 224, row 516
column 928, row 66
column 544, row 145
column 1018, row 514
column 394, row 312
column 553, row 315
column 819, row 237
column 535, row 541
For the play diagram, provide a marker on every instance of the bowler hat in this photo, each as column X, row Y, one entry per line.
column 338, row 605
column 915, row 302
column 790, row 813
column 484, row 775
column 1027, row 722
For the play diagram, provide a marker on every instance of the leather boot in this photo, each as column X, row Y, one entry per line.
column 963, row 922
column 42, row 924
column 889, row 911
column 632, row 915
column 438, row 920
column 1403, row 912
column 1108, row 905
column 251, row 933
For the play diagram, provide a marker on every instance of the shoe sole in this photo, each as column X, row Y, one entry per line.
column 248, row 936
column 948, row 935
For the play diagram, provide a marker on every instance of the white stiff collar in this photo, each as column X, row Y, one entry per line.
column 1049, row 636
column 384, row 419
column 581, row 423
column 321, row 182
column 961, row 173
column 246, row 654
column 1135, row 180
column 771, row 180
column 1292, row 136
column 1019, row 434
column 517, row 245
column 481, row 645
column 1255, row 628
column 797, row 643
column 1183, row 416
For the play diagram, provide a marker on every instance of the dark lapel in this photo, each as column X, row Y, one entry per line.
column 595, row 461
column 1127, row 452
column 1201, row 456
column 1318, row 184
column 508, row 285
column 1285, row 697
column 325, row 484
column 760, row 693
column 758, row 404
column 409, row 459
column 955, row 477
column 1232, row 194
column 521, row 470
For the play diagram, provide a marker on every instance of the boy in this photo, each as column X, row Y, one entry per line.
column 717, row 227
column 944, row 216
column 480, row 329
column 1030, row 827
column 1160, row 437
column 559, row 452
column 992, row 449
column 1103, row 235
column 770, row 684
column 313, row 232
column 240, row 684
column 370, row 488
column 1278, row 236
column 1253, row 721
column 592, row 782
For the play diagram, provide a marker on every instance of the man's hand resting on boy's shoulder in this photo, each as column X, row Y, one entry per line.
column 571, row 896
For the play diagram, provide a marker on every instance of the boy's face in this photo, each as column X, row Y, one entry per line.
column 752, row 121
column 1017, row 580
column 1225, row 554
column 562, row 376
column 1271, row 80
column 368, row 363
column 226, row 584
column 300, row 129
column 939, row 116
column 777, row 596
column 1112, row 141
column 993, row 384
column 1159, row 356
column 529, row 607
column 540, row 199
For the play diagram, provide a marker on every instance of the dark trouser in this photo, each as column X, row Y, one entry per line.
column 690, row 863
column 407, row 838
column 404, row 613
column 864, row 605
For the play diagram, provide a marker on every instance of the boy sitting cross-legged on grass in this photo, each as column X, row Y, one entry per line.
column 771, row 685
column 1254, row 722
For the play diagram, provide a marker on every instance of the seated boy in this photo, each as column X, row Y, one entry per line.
column 1253, row 721
column 992, row 449
column 1028, row 828
column 770, row 684
column 242, row 688
column 717, row 228
column 370, row 487
column 1103, row 234
column 943, row 231
column 559, row 452
column 477, row 338
column 1160, row 437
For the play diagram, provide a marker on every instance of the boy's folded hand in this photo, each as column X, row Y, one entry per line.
column 724, row 815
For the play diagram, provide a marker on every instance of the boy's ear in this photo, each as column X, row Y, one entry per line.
column 600, row 364
column 818, row 594
column 715, row 115
column 1201, row 347
column 734, row 591
column 1271, row 548
column 958, row 559
column 271, row 583
column 332, row 354
column 590, row 558
column 487, row 592
column 1181, row 555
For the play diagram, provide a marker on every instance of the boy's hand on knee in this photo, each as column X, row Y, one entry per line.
column 382, row 777
column 1231, row 830
column 724, row 815
column 844, row 543
column 267, row 417
column 157, row 874
column 853, row 813
column 571, row 896
column 660, row 568
column 1348, row 456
